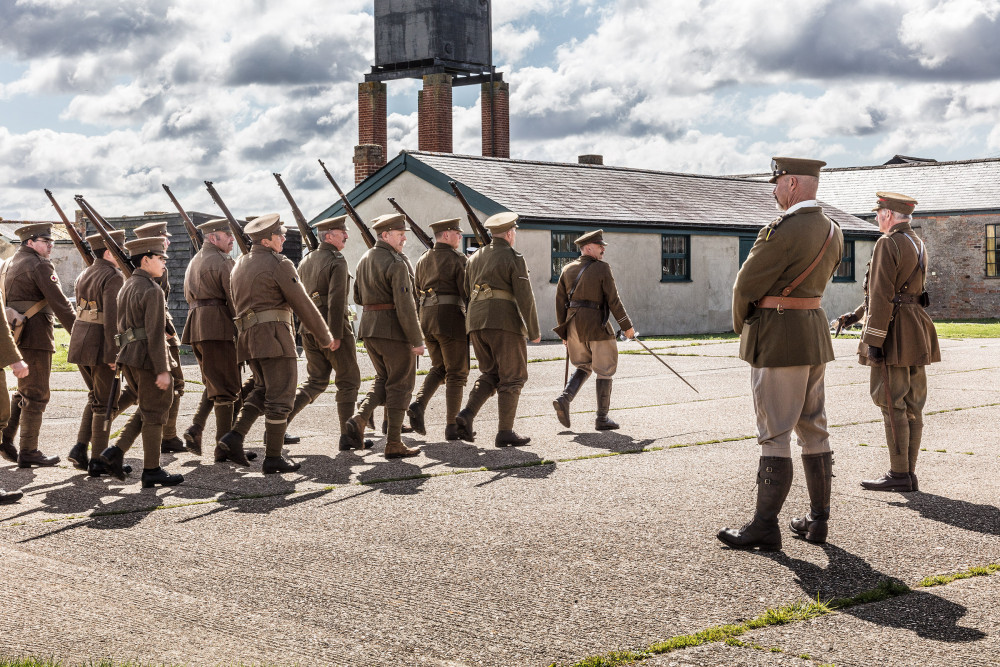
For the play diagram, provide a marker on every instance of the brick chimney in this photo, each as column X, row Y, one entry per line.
column 500, row 123
column 434, row 111
column 591, row 159
column 372, row 130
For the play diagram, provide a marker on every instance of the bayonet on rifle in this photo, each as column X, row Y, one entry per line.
column 366, row 233
column 104, row 229
column 483, row 236
column 81, row 243
column 308, row 235
column 419, row 233
column 197, row 238
column 242, row 240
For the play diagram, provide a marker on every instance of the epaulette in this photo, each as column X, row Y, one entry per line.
column 772, row 225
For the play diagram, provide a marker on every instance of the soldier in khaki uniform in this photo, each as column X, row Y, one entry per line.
column 785, row 337
column 9, row 356
column 266, row 292
column 31, row 288
column 898, row 338
column 501, row 314
column 144, row 359
column 585, row 297
column 441, row 289
column 391, row 333
column 327, row 281
column 93, row 349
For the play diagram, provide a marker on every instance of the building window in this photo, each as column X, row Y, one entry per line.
column 992, row 236
column 564, row 251
column 676, row 257
column 845, row 272
column 469, row 242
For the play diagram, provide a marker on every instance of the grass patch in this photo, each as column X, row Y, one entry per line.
column 989, row 328
column 59, row 362
column 941, row 579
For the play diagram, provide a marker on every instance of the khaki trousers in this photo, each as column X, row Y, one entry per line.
column 321, row 363
column 786, row 399
column 219, row 369
column 599, row 356
column 907, row 387
column 395, row 374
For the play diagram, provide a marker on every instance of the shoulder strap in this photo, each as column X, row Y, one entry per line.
column 809, row 269
column 572, row 289
column 920, row 261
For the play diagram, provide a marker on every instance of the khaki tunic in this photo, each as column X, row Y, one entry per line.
column 9, row 354
column 383, row 277
column 782, row 251
column 441, row 272
column 597, row 287
column 141, row 304
column 93, row 343
column 499, row 267
column 31, row 278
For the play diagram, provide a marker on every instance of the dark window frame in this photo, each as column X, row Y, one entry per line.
column 849, row 276
column 686, row 256
column 555, row 257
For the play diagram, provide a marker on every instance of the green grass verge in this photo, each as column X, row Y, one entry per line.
column 968, row 328
column 59, row 362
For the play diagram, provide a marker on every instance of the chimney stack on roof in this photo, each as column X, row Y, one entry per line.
column 591, row 159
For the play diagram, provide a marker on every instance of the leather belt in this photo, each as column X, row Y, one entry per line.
column 481, row 292
column 91, row 314
column 202, row 303
column 906, row 298
column 25, row 307
column 783, row 303
column 252, row 318
column 584, row 304
column 379, row 306
column 429, row 297
column 130, row 336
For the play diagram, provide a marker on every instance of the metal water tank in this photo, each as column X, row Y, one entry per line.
column 420, row 31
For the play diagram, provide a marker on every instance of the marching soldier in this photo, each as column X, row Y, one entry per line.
column 501, row 314
column 898, row 338
column 785, row 337
column 391, row 333
column 326, row 279
column 266, row 292
column 93, row 349
column 9, row 356
column 440, row 282
column 210, row 331
column 31, row 288
column 144, row 360
column 586, row 295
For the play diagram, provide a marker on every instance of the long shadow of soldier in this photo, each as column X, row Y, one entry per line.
column 504, row 463
column 958, row 513
column 612, row 441
column 845, row 575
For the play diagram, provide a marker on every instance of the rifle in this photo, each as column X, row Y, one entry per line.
column 483, row 236
column 308, row 235
column 197, row 239
column 242, row 240
column 80, row 243
column 366, row 233
column 116, row 386
column 419, row 233
column 103, row 228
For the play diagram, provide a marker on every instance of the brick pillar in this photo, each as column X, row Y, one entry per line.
column 368, row 158
column 501, row 119
column 371, row 128
column 434, row 111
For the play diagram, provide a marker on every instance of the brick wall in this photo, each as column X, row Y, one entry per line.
column 368, row 158
column 501, row 119
column 372, row 130
column 434, row 111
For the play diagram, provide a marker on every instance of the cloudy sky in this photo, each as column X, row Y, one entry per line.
column 111, row 98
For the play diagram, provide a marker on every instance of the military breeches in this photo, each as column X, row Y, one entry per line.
column 219, row 369
column 395, row 373
column 321, row 363
column 154, row 403
column 907, row 387
column 4, row 400
column 274, row 381
column 176, row 374
column 599, row 356
column 449, row 360
column 786, row 399
column 34, row 389
column 503, row 359
column 98, row 379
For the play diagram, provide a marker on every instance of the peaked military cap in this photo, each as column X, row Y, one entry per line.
column 591, row 237
column 35, row 230
column 328, row 225
column 389, row 222
column 794, row 166
column 500, row 223
column 447, row 225
column 155, row 244
column 214, row 225
column 152, row 230
column 263, row 227
column 895, row 202
column 96, row 241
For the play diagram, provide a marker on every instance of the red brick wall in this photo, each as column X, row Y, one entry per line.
column 501, row 119
column 368, row 158
column 371, row 128
column 434, row 110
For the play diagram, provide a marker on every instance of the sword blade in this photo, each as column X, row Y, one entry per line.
column 658, row 358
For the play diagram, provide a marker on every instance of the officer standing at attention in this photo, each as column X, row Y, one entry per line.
column 898, row 338
column 785, row 337
column 391, row 333
column 585, row 297
column 327, row 281
column 144, row 359
column 266, row 292
column 210, row 331
column 441, row 289
column 501, row 314
column 31, row 287
column 93, row 349
column 9, row 356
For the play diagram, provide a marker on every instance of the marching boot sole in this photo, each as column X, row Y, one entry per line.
column 562, row 413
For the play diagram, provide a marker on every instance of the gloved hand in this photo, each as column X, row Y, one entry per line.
column 875, row 353
column 848, row 319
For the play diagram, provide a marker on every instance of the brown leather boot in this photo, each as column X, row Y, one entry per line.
column 603, row 422
column 232, row 444
column 416, row 414
column 353, row 436
column 192, row 438
column 397, row 450
column 890, row 481
column 8, row 449
column 561, row 404
column 774, row 480
column 916, row 432
column 509, row 438
column 819, row 479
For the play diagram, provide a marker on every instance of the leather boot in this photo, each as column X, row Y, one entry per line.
column 172, row 445
column 192, row 438
column 278, row 464
column 159, row 477
column 890, row 481
column 97, row 467
column 603, row 422
column 774, row 479
column 232, row 445
column 289, row 439
column 898, row 477
column 451, row 432
column 508, row 438
column 8, row 497
column 397, row 450
column 35, row 458
column 7, row 448
column 354, row 433
column 112, row 458
column 819, row 479
column 78, row 455
column 416, row 414
column 916, row 432
column 561, row 404
column 481, row 391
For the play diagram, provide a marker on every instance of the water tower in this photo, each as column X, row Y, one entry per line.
column 445, row 43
